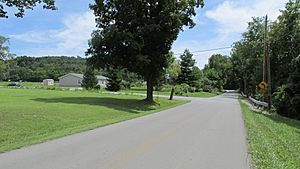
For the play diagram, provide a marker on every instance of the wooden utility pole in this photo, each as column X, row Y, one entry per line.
column 265, row 49
column 267, row 64
column 269, row 78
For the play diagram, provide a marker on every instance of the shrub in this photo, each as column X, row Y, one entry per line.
column 198, row 86
column 192, row 89
column 97, row 87
column 181, row 89
column 207, row 88
column 286, row 102
column 125, row 84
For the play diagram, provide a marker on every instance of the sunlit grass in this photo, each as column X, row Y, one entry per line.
column 274, row 141
column 32, row 116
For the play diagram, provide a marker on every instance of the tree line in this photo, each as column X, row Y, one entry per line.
column 284, row 42
column 244, row 68
column 35, row 69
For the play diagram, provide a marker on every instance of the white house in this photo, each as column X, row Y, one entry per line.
column 74, row 79
column 48, row 82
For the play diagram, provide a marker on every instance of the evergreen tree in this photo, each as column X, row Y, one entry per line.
column 89, row 79
column 114, row 80
column 186, row 66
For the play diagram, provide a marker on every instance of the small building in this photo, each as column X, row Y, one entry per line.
column 74, row 79
column 48, row 82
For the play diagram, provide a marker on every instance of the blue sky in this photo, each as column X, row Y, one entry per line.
column 67, row 30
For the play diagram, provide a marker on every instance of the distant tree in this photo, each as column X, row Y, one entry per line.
column 138, row 35
column 198, row 74
column 173, row 69
column 4, row 49
column 217, row 70
column 114, row 80
column 284, row 40
column 186, row 66
column 22, row 5
column 247, row 57
column 89, row 79
column 5, row 55
column 35, row 69
column 3, row 70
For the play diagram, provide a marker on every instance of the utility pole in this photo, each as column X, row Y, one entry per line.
column 265, row 49
column 269, row 77
column 267, row 64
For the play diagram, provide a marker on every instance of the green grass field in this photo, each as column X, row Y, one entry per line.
column 167, row 92
column 274, row 141
column 140, row 90
column 33, row 116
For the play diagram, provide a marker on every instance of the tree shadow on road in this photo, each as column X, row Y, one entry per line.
column 128, row 105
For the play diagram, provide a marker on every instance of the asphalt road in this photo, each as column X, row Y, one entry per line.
column 203, row 134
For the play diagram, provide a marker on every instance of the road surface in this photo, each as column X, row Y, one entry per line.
column 203, row 134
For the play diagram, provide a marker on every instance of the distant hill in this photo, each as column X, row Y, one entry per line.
column 35, row 69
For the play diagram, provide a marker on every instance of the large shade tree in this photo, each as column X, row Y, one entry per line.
column 22, row 5
column 138, row 34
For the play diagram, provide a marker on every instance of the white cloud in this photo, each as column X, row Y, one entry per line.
column 33, row 37
column 195, row 45
column 72, row 39
column 231, row 18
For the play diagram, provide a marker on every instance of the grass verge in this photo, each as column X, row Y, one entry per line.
column 167, row 92
column 139, row 90
column 274, row 141
column 33, row 116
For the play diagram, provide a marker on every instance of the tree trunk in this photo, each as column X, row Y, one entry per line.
column 149, row 90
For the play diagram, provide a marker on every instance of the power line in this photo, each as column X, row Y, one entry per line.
column 206, row 50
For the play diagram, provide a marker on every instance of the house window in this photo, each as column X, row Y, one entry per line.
column 79, row 81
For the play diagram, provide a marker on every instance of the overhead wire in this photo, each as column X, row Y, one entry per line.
column 206, row 50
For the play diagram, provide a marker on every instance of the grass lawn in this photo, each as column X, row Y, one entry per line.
column 33, row 116
column 167, row 92
column 202, row 94
column 144, row 91
column 274, row 141
column 27, row 84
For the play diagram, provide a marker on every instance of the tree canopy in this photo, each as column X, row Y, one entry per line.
column 22, row 5
column 138, row 35
column 284, row 42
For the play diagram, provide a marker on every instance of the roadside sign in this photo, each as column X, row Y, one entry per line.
column 263, row 85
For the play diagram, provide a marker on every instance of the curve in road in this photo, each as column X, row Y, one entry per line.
column 205, row 133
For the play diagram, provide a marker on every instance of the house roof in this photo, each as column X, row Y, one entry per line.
column 99, row 77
